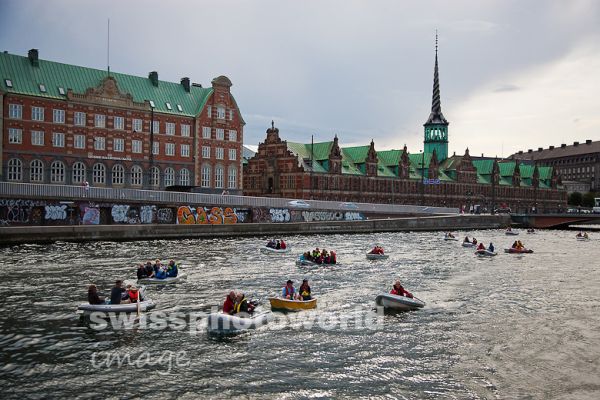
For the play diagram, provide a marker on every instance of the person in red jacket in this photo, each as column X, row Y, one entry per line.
column 229, row 303
column 398, row 290
column 481, row 247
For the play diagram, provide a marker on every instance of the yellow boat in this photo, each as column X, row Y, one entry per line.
column 292, row 305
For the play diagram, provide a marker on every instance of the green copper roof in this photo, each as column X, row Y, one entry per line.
column 26, row 79
column 545, row 173
column 390, row 158
column 484, row 167
column 357, row 154
column 507, row 168
column 526, row 171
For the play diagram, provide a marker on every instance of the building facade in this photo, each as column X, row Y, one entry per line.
column 326, row 171
column 66, row 124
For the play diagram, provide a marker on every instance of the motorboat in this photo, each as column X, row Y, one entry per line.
column 511, row 232
column 225, row 324
column 278, row 303
column 374, row 256
column 398, row 303
column 518, row 251
column 272, row 250
column 164, row 281
column 486, row 253
column 141, row 306
column 468, row 244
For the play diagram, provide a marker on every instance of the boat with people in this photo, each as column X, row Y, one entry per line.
column 126, row 306
column 582, row 236
column 531, row 231
column 225, row 324
column 398, row 303
column 317, row 257
column 281, row 304
column 162, row 281
column 485, row 253
column 377, row 253
column 450, row 236
column 511, row 232
column 469, row 242
column 513, row 250
column 275, row 246
column 159, row 273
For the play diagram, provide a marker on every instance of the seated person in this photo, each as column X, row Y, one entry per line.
column 481, row 246
column 172, row 269
column 242, row 306
column 283, row 245
column 585, row 235
column 157, row 265
column 491, row 247
column 133, row 294
column 117, row 293
column 161, row 273
column 304, row 291
column 141, row 272
column 149, row 269
column 515, row 245
column 229, row 303
column 333, row 257
column 467, row 240
column 278, row 245
column 288, row 291
column 474, row 241
column 93, row 297
column 398, row 290
column 271, row 244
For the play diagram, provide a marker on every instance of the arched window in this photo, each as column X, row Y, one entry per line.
column 206, row 175
column 36, row 171
column 78, row 172
column 15, row 169
column 232, row 177
column 169, row 177
column 219, row 176
column 118, row 174
column 136, row 175
column 184, row 177
column 99, row 174
column 57, row 172
column 154, row 176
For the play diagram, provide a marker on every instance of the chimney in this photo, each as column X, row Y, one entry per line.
column 575, row 143
column 589, row 141
column 530, row 151
column 153, row 76
column 562, row 146
column 551, row 147
column 520, row 151
column 33, row 57
column 185, row 82
column 540, row 148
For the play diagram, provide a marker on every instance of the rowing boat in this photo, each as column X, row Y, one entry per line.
column 399, row 303
column 278, row 303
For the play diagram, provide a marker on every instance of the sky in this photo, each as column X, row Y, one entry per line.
column 514, row 75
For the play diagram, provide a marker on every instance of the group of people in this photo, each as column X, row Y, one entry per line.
column 467, row 240
column 237, row 303
column 278, row 244
column 398, row 290
column 290, row 293
column 118, row 294
column 450, row 235
column 518, row 245
column 582, row 235
column 377, row 250
column 320, row 256
column 157, row 270
column 482, row 247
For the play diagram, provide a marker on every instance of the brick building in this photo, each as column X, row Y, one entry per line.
column 326, row 171
column 67, row 124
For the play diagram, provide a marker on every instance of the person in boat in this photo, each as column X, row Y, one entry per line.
column 520, row 245
column 325, row 257
column 316, row 253
column 271, row 244
column 398, row 290
column 515, row 245
column 278, row 245
column 509, row 229
column 117, row 293
column 481, row 246
column 93, row 297
column 161, row 273
column 491, row 247
column 585, row 235
column 474, row 241
column 149, row 269
column 141, row 272
column 157, row 265
column 172, row 270
column 333, row 257
column 229, row 303
column 304, row 291
column 133, row 293
column 449, row 235
column 531, row 230
column 241, row 305
column 467, row 240
column 288, row 291
column 283, row 245
column 580, row 234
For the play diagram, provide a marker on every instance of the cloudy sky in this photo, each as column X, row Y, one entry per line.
column 514, row 74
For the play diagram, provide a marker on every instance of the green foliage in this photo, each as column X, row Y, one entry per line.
column 588, row 199
column 575, row 199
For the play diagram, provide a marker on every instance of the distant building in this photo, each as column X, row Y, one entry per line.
column 578, row 164
column 66, row 124
column 326, row 171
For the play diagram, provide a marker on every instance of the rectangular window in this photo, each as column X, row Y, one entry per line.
column 99, row 143
column 15, row 111
column 58, row 116
column 185, row 130
column 231, row 115
column 79, row 118
column 170, row 128
column 137, row 125
column 119, row 145
column 232, row 154
column 205, row 152
column 79, row 141
column 156, row 127
column 220, row 134
column 119, row 123
column 37, row 138
column 206, row 131
column 136, row 146
column 100, row 121
column 185, row 150
column 219, row 177
column 209, row 109
column 170, row 149
column 58, row 139
column 221, row 112
column 168, row 106
column 15, row 136
column 155, row 148
column 232, row 136
column 219, row 153
column 37, row 113
column 205, row 176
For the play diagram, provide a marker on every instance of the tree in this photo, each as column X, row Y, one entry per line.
column 575, row 199
column 588, row 199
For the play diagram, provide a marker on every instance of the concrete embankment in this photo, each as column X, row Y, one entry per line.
column 46, row 234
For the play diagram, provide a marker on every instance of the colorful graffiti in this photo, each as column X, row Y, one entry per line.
column 55, row 213
column 91, row 216
column 188, row 215
column 279, row 215
column 310, row 216
column 17, row 211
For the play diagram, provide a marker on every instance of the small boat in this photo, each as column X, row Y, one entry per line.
column 468, row 244
column 486, row 253
column 225, row 324
column 278, row 303
column 450, row 238
column 518, row 251
column 271, row 250
column 398, row 303
column 373, row 256
column 582, row 238
column 301, row 261
column 531, row 231
column 165, row 281
column 511, row 233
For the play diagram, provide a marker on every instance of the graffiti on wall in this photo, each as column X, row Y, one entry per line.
column 279, row 214
column 310, row 216
column 147, row 214
column 56, row 212
column 189, row 215
column 17, row 211
column 164, row 216
column 91, row 216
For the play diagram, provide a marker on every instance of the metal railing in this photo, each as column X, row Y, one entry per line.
column 116, row 195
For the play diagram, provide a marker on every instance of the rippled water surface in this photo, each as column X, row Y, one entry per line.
column 511, row 326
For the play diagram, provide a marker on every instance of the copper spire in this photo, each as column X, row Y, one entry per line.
column 436, row 116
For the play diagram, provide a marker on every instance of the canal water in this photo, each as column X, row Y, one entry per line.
column 507, row 327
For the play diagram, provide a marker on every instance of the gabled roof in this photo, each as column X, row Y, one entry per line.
column 484, row 167
column 26, row 79
column 545, row 173
column 507, row 168
column 390, row 158
column 358, row 154
column 526, row 171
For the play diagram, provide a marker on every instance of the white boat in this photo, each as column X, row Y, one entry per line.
column 271, row 250
column 165, row 281
column 224, row 324
column 450, row 238
column 399, row 303
column 511, row 233
column 582, row 238
column 372, row 256
column 145, row 305
column 468, row 244
column 486, row 253
column 307, row 263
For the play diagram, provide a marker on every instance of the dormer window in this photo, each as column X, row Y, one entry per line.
column 8, row 83
column 42, row 88
column 152, row 104
column 61, row 91
column 168, row 106
column 179, row 108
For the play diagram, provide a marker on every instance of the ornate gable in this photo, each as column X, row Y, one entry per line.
column 516, row 178
column 404, row 167
column 495, row 173
column 371, row 160
column 465, row 170
column 434, row 165
column 535, row 180
column 107, row 93
column 335, row 157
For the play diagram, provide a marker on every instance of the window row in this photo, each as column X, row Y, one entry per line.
column 206, row 176
column 58, row 174
column 219, row 134
column 15, row 111
column 219, row 153
column 221, row 112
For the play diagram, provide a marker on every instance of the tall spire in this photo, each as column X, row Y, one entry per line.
column 436, row 116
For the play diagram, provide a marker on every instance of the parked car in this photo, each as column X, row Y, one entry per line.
column 298, row 203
